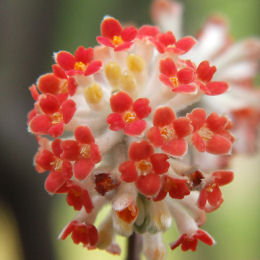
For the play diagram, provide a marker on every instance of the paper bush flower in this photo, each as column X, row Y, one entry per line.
column 114, row 126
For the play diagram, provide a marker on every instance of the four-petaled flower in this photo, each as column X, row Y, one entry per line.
column 144, row 167
column 83, row 151
column 82, row 63
column 181, row 81
column 128, row 115
column 190, row 241
column 169, row 132
column 81, row 233
column 210, row 134
column 113, row 35
column 211, row 193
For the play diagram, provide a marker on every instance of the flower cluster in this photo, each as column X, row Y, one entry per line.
column 114, row 127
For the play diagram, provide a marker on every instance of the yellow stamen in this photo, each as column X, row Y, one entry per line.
column 93, row 94
column 135, row 63
column 167, row 133
column 64, row 87
column 129, row 117
column 113, row 73
column 144, row 166
column 174, row 81
column 211, row 187
column 57, row 164
column 117, row 40
column 85, row 151
column 57, row 118
column 205, row 134
column 80, row 66
column 128, row 82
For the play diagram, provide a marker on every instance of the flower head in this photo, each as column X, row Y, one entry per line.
column 114, row 125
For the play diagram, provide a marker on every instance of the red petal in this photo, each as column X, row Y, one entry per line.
column 175, row 147
column 154, row 135
column 129, row 33
column 69, row 229
column 40, row 124
column 110, row 27
column 34, row 92
column 141, row 107
column 68, row 109
column 198, row 142
column 167, row 38
column 87, row 202
column 93, row 67
column 186, row 75
column 198, row 118
column 56, row 130
column 223, row 177
column 168, row 67
column 182, row 127
column 72, row 86
column 135, row 128
column 121, row 102
column 160, row 163
column 66, row 60
column 58, row 71
column 54, row 181
column 84, row 55
column 205, row 72
column 44, row 159
column 140, row 151
column 48, row 83
column 202, row 199
column 163, row 116
column 71, row 150
column 186, row 43
column 82, row 168
column 115, row 122
column 124, row 46
column 185, row 89
column 166, row 80
column 216, row 123
column 128, row 171
column 148, row 184
column 84, row 135
column 216, row 88
column 105, row 41
column 204, row 237
column 148, row 31
column 56, row 147
column 49, row 104
column 218, row 145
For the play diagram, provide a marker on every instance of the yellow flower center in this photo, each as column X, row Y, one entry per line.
column 64, row 87
column 167, row 133
column 117, row 40
column 174, row 81
column 129, row 117
column 205, row 133
column 80, row 66
column 57, row 165
column 85, row 151
column 57, row 118
column 144, row 166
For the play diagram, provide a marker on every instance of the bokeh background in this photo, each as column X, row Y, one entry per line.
column 30, row 220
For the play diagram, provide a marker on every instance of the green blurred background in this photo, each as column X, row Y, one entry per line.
column 30, row 220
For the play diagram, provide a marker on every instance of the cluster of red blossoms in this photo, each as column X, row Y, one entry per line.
column 113, row 127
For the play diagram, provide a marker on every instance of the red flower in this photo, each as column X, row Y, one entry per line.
column 144, row 168
column 51, row 114
column 105, row 183
column 128, row 115
column 78, row 197
column 211, row 193
column 181, row 81
column 166, row 42
column 177, row 188
column 81, row 63
column 61, row 170
column 81, row 233
column 113, row 35
column 210, row 134
column 169, row 132
column 204, row 75
column 83, row 151
column 190, row 242
column 148, row 32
